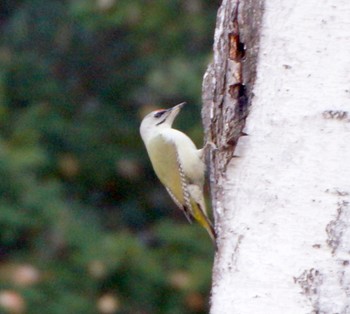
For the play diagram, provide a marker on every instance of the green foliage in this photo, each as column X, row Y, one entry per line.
column 85, row 227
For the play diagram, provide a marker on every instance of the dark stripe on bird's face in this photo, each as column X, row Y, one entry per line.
column 161, row 122
column 159, row 114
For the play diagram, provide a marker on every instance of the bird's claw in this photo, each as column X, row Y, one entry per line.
column 212, row 145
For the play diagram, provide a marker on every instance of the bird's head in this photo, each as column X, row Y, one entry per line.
column 159, row 119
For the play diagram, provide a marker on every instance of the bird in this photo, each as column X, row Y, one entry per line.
column 178, row 164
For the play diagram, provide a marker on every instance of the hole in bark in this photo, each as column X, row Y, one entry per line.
column 238, row 91
column 237, row 48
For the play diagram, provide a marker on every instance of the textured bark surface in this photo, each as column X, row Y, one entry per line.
column 227, row 89
column 282, row 210
column 227, row 84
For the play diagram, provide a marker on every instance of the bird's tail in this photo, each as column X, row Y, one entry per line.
column 199, row 213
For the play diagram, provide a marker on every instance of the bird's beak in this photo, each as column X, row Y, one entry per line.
column 173, row 112
column 178, row 107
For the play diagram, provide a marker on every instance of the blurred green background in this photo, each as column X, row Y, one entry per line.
column 85, row 226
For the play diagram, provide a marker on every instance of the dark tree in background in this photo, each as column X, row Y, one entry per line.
column 85, row 227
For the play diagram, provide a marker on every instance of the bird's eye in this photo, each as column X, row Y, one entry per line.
column 158, row 114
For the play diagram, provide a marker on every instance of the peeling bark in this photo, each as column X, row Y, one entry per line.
column 227, row 84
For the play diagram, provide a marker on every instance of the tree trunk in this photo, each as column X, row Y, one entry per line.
column 282, row 208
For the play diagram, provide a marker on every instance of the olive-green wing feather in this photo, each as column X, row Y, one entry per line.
column 165, row 162
column 187, row 196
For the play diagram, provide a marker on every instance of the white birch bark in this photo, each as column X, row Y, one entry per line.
column 282, row 209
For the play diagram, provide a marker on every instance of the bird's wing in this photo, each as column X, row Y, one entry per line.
column 185, row 208
column 167, row 166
